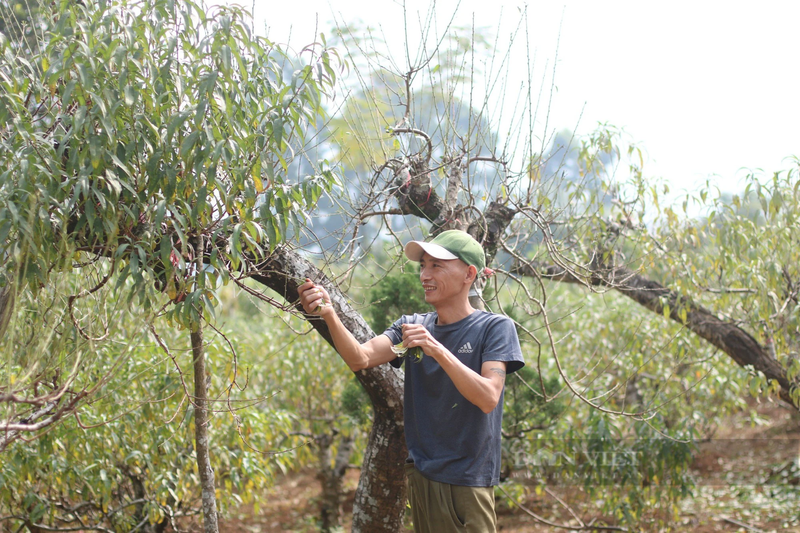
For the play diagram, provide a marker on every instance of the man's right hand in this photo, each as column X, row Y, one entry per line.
column 314, row 298
column 378, row 350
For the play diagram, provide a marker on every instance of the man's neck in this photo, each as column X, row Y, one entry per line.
column 450, row 314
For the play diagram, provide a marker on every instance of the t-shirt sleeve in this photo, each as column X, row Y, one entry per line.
column 395, row 334
column 502, row 344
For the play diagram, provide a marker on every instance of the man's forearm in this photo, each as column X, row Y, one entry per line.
column 482, row 391
column 316, row 301
column 345, row 343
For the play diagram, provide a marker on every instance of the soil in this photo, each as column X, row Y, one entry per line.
column 731, row 494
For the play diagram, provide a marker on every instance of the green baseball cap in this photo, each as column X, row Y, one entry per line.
column 448, row 245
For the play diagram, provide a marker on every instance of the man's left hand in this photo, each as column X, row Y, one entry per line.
column 417, row 335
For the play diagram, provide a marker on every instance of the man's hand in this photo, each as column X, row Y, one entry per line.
column 314, row 298
column 417, row 335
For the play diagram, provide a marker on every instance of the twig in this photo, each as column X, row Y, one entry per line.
column 174, row 361
column 419, row 133
column 740, row 524
column 84, row 293
column 581, row 527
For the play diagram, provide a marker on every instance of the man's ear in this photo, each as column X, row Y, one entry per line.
column 472, row 273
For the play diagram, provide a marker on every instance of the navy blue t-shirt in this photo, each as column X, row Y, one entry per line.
column 449, row 438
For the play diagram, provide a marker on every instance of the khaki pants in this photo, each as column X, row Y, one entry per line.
column 444, row 508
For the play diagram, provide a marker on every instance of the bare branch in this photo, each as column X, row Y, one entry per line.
column 418, row 133
column 738, row 344
column 581, row 527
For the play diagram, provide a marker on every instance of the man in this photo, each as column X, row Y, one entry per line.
column 453, row 394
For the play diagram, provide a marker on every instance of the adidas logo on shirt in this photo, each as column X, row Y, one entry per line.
column 467, row 348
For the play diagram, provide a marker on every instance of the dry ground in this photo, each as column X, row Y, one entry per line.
column 741, row 452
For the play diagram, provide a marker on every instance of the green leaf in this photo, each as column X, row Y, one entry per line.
column 189, row 143
column 175, row 123
column 130, row 95
column 277, row 134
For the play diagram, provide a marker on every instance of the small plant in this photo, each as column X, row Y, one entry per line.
column 395, row 295
column 401, row 351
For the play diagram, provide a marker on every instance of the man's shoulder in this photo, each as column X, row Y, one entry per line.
column 490, row 318
column 418, row 318
column 494, row 325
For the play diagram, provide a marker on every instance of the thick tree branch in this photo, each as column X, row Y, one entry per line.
column 737, row 343
column 386, row 453
column 497, row 218
column 417, row 197
column 415, row 194
column 450, row 217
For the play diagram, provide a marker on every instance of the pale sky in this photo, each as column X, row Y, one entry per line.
column 707, row 88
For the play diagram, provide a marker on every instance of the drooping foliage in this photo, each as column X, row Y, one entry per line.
column 147, row 124
column 141, row 128
column 145, row 149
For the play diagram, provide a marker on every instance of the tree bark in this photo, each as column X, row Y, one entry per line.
column 209, row 498
column 140, row 496
column 380, row 498
column 331, row 473
column 737, row 343
column 416, row 196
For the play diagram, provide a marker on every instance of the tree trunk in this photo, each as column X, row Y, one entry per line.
column 209, row 498
column 380, row 499
column 331, row 474
column 140, row 496
column 728, row 337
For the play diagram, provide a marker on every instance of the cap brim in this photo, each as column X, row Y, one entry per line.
column 414, row 250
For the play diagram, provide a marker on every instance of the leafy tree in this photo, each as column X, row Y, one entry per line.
column 697, row 257
column 328, row 418
column 125, row 461
column 145, row 150
column 396, row 295
column 738, row 263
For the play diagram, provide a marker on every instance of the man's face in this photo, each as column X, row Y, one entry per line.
column 442, row 280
